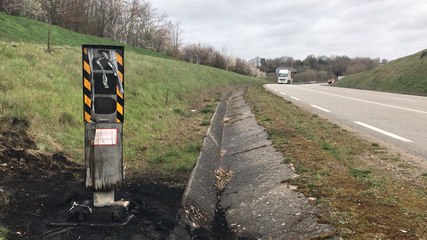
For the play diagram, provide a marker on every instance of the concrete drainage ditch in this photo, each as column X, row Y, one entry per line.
column 239, row 188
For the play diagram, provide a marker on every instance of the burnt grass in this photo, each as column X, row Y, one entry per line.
column 36, row 188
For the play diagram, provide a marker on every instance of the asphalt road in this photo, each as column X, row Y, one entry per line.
column 395, row 119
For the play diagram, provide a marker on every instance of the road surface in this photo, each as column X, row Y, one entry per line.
column 396, row 119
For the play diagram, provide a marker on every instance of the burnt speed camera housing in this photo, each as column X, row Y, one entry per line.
column 103, row 104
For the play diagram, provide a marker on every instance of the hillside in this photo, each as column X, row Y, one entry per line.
column 24, row 30
column 406, row 75
column 45, row 90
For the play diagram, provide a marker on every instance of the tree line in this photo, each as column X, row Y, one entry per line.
column 134, row 22
column 319, row 68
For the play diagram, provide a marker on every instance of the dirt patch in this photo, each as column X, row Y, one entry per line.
column 36, row 187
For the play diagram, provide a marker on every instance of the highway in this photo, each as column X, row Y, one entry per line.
column 395, row 119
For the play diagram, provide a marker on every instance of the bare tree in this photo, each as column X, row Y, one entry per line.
column 31, row 9
column 306, row 75
column 135, row 11
column 190, row 53
column 162, row 38
column 220, row 61
column 51, row 8
column 356, row 68
column 176, row 39
column 339, row 65
column 12, row 7
column 25, row 8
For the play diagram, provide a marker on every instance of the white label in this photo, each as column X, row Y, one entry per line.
column 105, row 136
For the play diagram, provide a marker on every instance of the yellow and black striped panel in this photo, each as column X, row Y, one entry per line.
column 120, row 96
column 87, row 89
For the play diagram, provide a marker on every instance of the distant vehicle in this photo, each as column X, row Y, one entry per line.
column 331, row 81
column 284, row 76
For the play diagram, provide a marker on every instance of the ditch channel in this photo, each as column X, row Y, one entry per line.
column 241, row 183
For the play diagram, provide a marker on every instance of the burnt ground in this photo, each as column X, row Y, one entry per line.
column 36, row 188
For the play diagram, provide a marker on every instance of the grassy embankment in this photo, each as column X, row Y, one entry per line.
column 361, row 188
column 406, row 75
column 161, row 130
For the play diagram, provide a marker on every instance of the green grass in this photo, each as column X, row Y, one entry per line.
column 46, row 89
column 205, row 122
column 360, row 172
column 22, row 30
column 406, row 75
column 3, row 233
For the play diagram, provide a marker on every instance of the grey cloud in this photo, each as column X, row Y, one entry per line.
column 272, row 28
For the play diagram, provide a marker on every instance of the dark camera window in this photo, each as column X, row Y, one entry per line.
column 105, row 105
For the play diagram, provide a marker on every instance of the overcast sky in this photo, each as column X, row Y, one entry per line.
column 272, row 28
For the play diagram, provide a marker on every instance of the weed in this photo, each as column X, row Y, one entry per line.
column 301, row 169
column 193, row 148
column 66, row 118
column 205, row 122
column 3, row 233
column 287, row 160
column 179, row 111
column 326, row 146
column 404, row 165
column 360, row 172
column 266, row 119
column 375, row 145
column 312, row 185
column 207, row 109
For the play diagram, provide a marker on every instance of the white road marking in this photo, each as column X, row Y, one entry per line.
column 367, row 101
column 383, row 132
column 325, row 110
column 283, row 93
column 294, row 98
